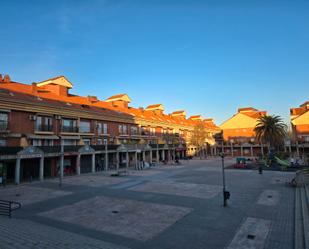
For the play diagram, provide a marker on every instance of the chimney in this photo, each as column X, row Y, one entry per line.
column 92, row 99
column 6, row 79
column 34, row 88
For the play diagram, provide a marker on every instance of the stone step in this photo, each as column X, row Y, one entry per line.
column 299, row 241
column 305, row 210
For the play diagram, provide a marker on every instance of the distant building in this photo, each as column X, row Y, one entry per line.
column 238, row 133
column 36, row 119
column 300, row 128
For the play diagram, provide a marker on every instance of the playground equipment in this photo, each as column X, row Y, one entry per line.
column 281, row 162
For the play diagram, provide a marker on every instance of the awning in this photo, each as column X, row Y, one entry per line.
column 43, row 136
column 70, row 137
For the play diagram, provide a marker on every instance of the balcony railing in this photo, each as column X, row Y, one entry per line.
column 73, row 129
column 44, row 128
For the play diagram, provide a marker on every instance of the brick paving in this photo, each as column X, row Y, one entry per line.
column 22, row 234
column 90, row 180
column 133, row 219
column 182, row 189
column 29, row 195
column 184, row 204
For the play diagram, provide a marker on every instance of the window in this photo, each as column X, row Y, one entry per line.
column 99, row 127
column 36, row 142
column 2, row 142
column 42, row 142
column 69, row 142
column 69, row 125
column 152, row 131
column 84, row 126
column 87, row 141
column 3, row 121
column 99, row 141
column 134, row 130
column 122, row 130
column 144, row 130
column 102, row 128
column 43, row 123
column 105, row 131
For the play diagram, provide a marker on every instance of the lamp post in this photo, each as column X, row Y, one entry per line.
column 226, row 194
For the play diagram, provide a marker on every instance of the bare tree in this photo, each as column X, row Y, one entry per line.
column 199, row 136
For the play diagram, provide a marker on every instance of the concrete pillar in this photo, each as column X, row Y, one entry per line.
column 290, row 149
column 93, row 163
column 136, row 163
column 262, row 150
column 168, row 155
column 41, row 174
column 117, row 161
column 251, row 151
column 17, row 170
column 163, row 154
column 78, row 164
column 285, row 148
column 215, row 150
column 241, row 150
column 150, row 156
column 232, row 150
column 61, row 165
column 143, row 156
column 127, row 159
column 174, row 154
column 297, row 149
column 106, row 158
column 157, row 156
column 183, row 154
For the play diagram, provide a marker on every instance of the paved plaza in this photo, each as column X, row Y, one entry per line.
column 164, row 207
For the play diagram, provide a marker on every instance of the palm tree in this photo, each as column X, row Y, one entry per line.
column 271, row 130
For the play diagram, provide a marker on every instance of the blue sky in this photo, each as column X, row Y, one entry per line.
column 207, row 57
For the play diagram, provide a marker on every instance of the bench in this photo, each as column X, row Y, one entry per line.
column 6, row 207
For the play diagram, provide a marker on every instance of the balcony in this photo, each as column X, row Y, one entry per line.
column 72, row 129
column 135, row 133
column 4, row 126
column 44, row 128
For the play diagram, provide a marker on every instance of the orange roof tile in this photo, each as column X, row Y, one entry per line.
column 77, row 101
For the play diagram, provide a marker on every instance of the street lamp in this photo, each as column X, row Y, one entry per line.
column 226, row 194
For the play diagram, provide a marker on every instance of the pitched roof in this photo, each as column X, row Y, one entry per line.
column 59, row 80
column 26, row 91
column 121, row 97
column 155, row 107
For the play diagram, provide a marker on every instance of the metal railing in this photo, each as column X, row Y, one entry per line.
column 43, row 128
column 7, row 207
column 69, row 129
